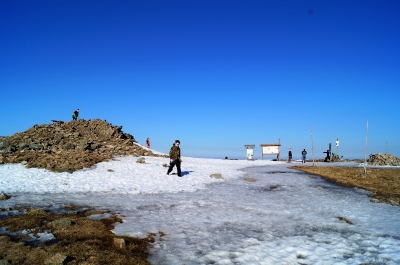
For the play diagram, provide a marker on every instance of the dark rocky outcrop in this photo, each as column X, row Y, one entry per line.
column 69, row 146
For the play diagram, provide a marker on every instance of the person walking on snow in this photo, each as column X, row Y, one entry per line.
column 75, row 114
column 290, row 155
column 175, row 158
column 148, row 142
column 303, row 154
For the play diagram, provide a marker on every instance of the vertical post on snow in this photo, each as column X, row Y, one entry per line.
column 365, row 151
column 337, row 145
column 312, row 144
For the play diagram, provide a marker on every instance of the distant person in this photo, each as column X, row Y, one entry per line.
column 175, row 158
column 148, row 142
column 75, row 114
column 290, row 155
column 303, row 155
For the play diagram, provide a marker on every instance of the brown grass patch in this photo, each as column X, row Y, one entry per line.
column 250, row 179
column 345, row 219
column 81, row 240
column 384, row 183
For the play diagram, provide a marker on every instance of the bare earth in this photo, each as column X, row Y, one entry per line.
column 384, row 183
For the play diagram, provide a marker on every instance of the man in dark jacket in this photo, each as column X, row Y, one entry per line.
column 303, row 155
column 175, row 158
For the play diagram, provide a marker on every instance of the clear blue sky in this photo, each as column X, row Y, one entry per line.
column 215, row 74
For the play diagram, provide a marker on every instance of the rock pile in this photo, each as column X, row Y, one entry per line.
column 384, row 160
column 69, row 146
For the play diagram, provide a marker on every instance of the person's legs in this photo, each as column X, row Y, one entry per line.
column 178, row 167
column 171, row 166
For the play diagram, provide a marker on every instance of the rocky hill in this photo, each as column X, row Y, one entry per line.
column 384, row 160
column 69, row 146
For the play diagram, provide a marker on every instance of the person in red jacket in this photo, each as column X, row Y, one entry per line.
column 148, row 142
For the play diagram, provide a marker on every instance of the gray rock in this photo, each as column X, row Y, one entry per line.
column 57, row 259
column 3, row 145
column 62, row 222
column 4, row 197
column 141, row 160
column 11, row 149
column 119, row 243
column 57, row 138
column 4, row 262
column 23, row 145
column 69, row 146
column 35, row 146
column 83, row 144
column 95, row 146
column 216, row 176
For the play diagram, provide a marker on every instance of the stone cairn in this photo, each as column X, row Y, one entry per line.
column 383, row 160
column 69, row 146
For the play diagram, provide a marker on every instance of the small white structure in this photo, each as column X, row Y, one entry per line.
column 250, row 151
column 271, row 149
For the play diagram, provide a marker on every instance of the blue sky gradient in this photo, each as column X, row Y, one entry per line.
column 215, row 74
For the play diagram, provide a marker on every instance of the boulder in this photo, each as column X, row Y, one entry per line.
column 119, row 243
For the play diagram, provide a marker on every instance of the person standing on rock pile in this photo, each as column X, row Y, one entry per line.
column 75, row 114
column 175, row 158
column 148, row 142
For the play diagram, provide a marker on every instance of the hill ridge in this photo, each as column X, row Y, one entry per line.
column 69, row 146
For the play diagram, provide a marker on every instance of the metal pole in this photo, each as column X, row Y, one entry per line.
column 365, row 151
column 312, row 143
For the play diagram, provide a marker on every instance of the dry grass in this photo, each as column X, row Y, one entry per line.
column 85, row 241
column 384, row 183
